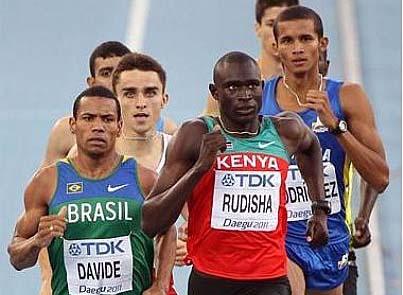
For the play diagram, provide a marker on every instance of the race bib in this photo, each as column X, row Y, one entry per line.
column 246, row 200
column 99, row 266
column 298, row 201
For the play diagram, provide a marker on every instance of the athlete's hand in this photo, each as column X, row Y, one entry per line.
column 181, row 245
column 181, row 252
column 317, row 234
column 50, row 227
column 155, row 289
column 211, row 143
column 183, row 232
column 362, row 235
column 319, row 101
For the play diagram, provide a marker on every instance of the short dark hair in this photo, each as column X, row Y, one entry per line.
column 138, row 61
column 99, row 91
column 107, row 49
column 299, row 12
column 262, row 5
column 232, row 57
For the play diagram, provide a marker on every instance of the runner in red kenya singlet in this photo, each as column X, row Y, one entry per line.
column 232, row 169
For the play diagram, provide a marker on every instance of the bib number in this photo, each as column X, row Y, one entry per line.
column 246, row 200
column 298, row 201
column 99, row 266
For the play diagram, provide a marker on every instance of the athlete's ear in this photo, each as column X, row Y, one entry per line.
column 90, row 81
column 262, row 84
column 275, row 48
column 323, row 43
column 165, row 99
column 213, row 90
column 120, row 124
column 258, row 30
column 72, row 123
column 274, row 45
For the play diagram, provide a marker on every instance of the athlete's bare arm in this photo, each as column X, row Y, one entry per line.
column 191, row 152
column 362, row 234
column 166, row 248
column 60, row 142
column 166, row 242
column 361, row 142
column 300, row 141
column 33, row 229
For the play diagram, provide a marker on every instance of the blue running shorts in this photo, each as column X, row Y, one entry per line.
column 325, row 267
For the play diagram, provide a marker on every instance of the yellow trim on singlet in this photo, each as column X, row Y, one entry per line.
column 125, row 158
column 348, row 172
column 65, row 160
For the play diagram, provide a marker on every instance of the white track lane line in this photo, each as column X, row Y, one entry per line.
column 353, row 72
column 137, row 23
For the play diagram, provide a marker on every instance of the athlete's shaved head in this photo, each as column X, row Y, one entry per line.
column 233, row 57
column 237, row 87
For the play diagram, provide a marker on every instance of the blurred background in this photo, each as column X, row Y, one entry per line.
column 44, row 50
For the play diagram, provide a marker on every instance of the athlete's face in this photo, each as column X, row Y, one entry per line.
column 96, row 126
column 264, row 30
column 238, row 90
column 142, row 98
column 299, row 45
column 104, row 68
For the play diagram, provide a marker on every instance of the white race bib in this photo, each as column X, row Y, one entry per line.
column 298, row 201
column 99, row 266
column 246, row 200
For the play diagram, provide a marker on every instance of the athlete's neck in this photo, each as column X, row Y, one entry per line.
column 301, row 83
column 270, row 65
column 240, row 129
column 130, row 134
column 145, row 151
column 137, row 146
column 95, row 166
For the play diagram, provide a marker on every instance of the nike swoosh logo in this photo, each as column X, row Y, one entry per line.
column 265, row 145
column 112, row 189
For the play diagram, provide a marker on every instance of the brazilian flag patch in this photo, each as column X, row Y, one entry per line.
column 75, row 188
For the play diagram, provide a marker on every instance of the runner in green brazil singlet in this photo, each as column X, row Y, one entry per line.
column 104, row 249
column 86, row 210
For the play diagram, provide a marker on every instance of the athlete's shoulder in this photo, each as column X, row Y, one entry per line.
column 353, row 97
column 197, row 125
column 62, row 124
column 61, row 140
column 349, row 87
column 169, row 126
column 42, row 184
column 185, row 144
